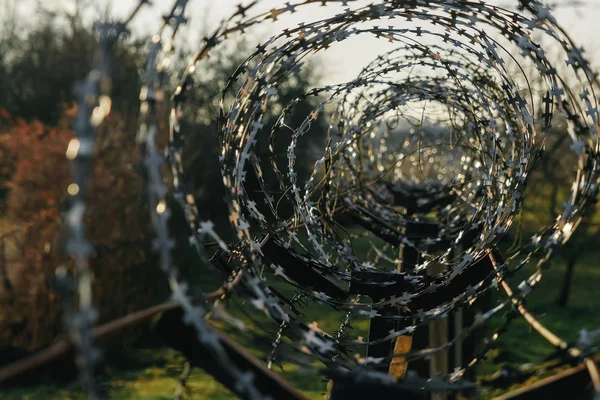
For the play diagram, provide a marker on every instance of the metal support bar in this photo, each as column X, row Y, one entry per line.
column 182, row 337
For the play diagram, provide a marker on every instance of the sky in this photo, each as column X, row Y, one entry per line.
column 344, row 60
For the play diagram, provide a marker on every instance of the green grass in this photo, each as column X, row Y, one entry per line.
column 522, row 345
column 156, row 380
column 155, row 373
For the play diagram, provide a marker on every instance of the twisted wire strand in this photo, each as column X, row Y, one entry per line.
column 94, row 105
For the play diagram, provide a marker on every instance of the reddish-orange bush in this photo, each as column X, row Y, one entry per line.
column 36, row 174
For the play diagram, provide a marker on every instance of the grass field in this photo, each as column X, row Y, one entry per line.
column 154, row 373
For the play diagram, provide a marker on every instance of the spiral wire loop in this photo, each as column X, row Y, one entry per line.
column 475, row 131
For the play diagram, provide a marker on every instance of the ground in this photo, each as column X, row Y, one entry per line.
column 151, row 373
column 155, row 374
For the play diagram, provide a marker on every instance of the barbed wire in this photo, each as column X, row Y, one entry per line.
column 93, row 106
column 448, row 189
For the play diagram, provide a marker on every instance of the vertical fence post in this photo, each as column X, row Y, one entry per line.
column 439, row 334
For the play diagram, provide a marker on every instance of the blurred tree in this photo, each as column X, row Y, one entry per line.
column 547, row 192
column 125, row 277
column 40, row 65
column 39, row 70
